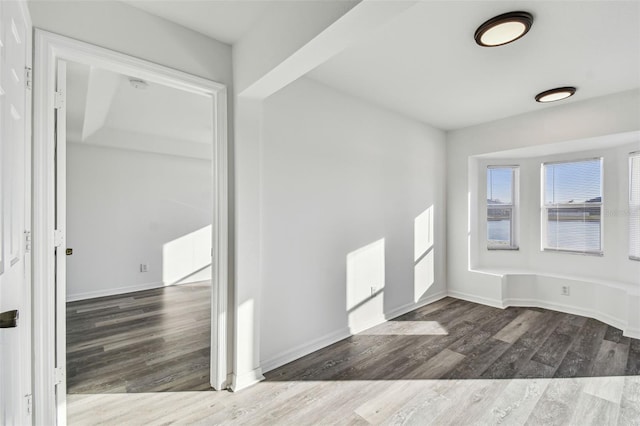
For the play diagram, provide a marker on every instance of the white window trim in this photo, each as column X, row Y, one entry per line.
column 545, row 207
column 513, row 244
column 632, row 155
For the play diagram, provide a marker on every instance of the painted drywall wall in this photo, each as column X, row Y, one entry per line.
column 601, row 117
column 123, row 28
column 126, row 208
column 353, row 218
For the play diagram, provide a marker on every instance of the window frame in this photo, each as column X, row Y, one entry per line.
column 544, row 209
column 632, row 206
column 513, row 207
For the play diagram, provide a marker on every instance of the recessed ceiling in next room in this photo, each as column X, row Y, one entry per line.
column 427, row 65
column 107, row 109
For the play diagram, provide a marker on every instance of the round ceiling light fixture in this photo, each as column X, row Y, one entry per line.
column 555, row 94
column 503, row 29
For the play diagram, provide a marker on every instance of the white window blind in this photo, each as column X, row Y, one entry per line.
column 572, row 206
column 634, row 206
column 501, row 207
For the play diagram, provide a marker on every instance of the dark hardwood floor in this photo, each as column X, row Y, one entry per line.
column 148, row 341
column 455, row 339
column 449, row 363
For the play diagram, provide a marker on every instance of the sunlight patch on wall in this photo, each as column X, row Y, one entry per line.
column 422, row 233
column 187, row 256
column 423, row 254
column 365, row 273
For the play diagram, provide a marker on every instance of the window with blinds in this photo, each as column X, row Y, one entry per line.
column 501, row 207
column 572, row 206
column 634, row 206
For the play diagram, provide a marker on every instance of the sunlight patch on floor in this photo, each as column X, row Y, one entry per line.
column 407, row 328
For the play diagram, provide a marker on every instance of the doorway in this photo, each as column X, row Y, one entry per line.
column 138, row 233
column 51, row 235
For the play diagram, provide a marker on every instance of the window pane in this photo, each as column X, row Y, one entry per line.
column 499, row 226
column 575, row 229
column 570, row 225
column 499, row 185
column 575, row 182
column 634, row 206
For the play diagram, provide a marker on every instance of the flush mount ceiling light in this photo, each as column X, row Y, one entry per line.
column 503, row 29
column 555, row 94
column 136, row 83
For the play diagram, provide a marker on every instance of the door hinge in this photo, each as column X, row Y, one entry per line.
column 58, row 375
column 58, row 100
column 58, row 238
column 29, row 403
column 28, row 74
column 27, row 241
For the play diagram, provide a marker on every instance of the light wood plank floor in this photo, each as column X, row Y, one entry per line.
column 451, row 362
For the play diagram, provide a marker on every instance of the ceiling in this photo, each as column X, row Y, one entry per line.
column 223, row 20
column 103, row 108
column 425, row 63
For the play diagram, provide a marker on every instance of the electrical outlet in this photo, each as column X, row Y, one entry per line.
column 373, row 290
column 144, row 267
column 565, row 291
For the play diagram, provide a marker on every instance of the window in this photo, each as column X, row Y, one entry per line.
column 501, row 207
column 572, row 206
column 634, row 206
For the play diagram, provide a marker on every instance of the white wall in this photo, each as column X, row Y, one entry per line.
column 125, row 29
column 343, row 183
column 125, row 208
column 545, row 129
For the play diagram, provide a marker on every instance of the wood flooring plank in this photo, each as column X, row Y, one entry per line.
column 630, row 402
column 557, row 403
column 554, row 349
column 516, row 328
column 633, row 359
column 591, row 410
column 614, row 334
column 611, row 359
column 507, row 365
column 479, row 360
column 514, row 404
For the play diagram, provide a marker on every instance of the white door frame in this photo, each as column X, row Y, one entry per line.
column 49, row 48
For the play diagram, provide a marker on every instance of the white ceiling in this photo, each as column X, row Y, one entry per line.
column 425, row 63
column 223, row 20
column 103, row 108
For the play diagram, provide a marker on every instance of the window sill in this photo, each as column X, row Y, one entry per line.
column 503, row 248
column 583, row 253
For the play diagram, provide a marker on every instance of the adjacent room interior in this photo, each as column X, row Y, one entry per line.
column 138, row 256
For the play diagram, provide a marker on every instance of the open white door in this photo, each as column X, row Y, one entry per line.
column 15, row 219
column 60, row 238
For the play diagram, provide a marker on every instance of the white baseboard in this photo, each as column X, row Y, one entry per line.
column 632, row 332
column 331, row 338
column 569, row 309
column 243, row 381
column 476, row 299
column 113, row 291
column 413, row 306
column 304, row 349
